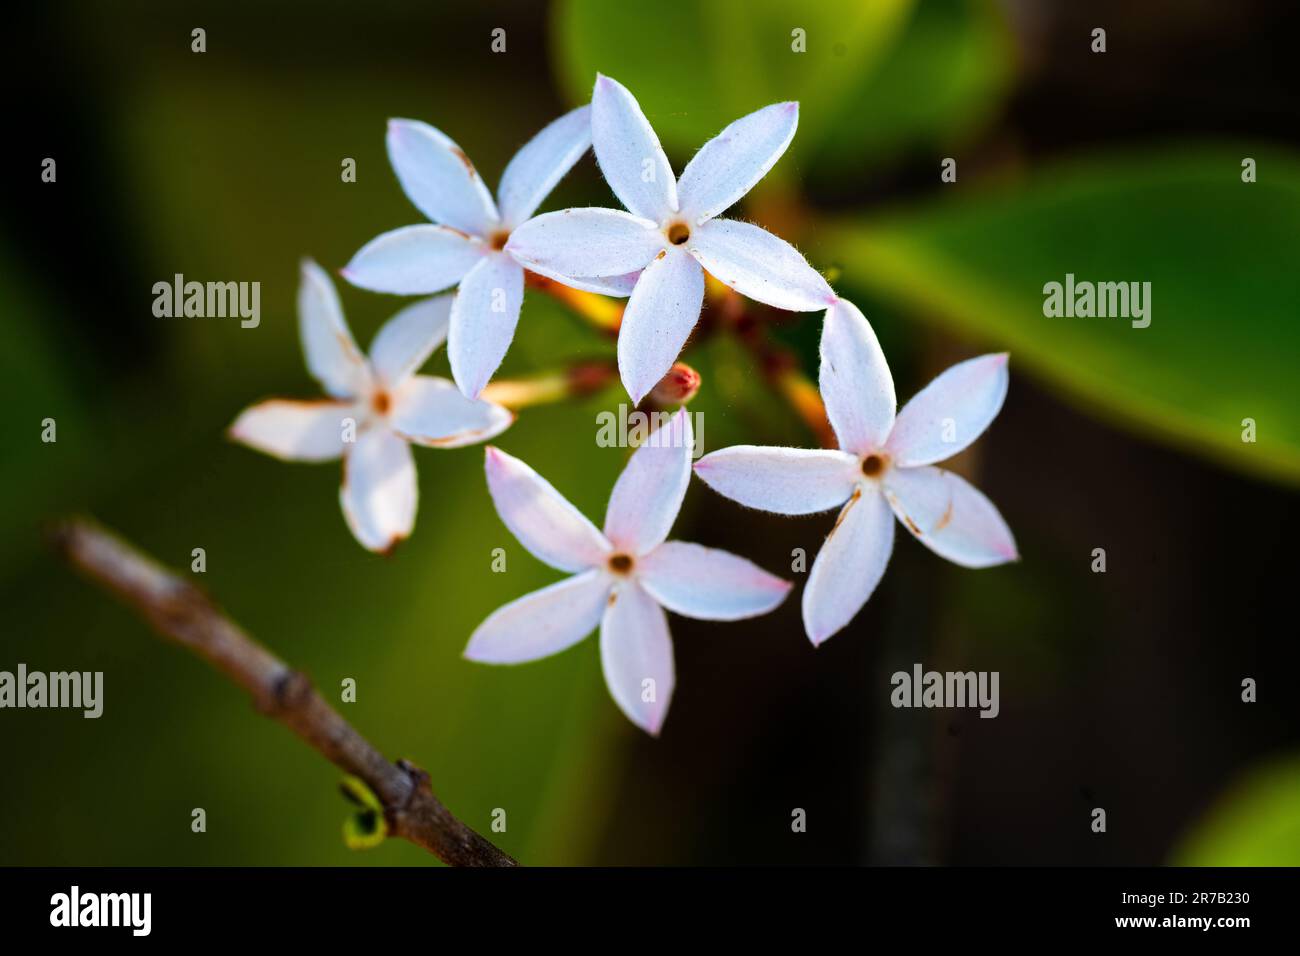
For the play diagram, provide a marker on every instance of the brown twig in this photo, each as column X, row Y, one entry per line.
column 182, row 613
column 778, row 365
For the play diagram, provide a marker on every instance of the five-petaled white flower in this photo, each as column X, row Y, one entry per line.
column 882, row 463
column 470, row 230
column 623, row 577
column 670, row 231
column 377, row 406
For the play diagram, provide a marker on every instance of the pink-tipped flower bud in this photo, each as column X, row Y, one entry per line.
column 677, row 387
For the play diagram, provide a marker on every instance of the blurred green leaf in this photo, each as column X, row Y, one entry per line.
column 1219, row 255
column 696, row 67
column 1257, row 823
column 942, row 80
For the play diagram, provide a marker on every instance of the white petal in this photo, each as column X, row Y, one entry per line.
column 787, row 481
column 658, row 319
column 379, row 490
column 729, row 165
column 636, row 654
column 950, row 412
column 855, row 381
column 849, row 565
column 439, row 178
column 542, row 623
column 629, row 153
column 432, row 411
column 584, row 243
column 332, row 356
column 293, row 430
column 759, row 265
column 413, row 260
column 540, row 517
column 483, row 320
column 950, row 516
column 408, row 339
column 709, row 584
column 620, row 287
column 541, row 163
column 649, row 492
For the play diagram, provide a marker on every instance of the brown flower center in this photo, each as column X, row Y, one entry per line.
column 873, row 465
column 498, row 239
column 678, row 233
column 380, row 402
column 620, row 563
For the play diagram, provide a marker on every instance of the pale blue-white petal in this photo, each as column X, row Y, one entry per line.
column 759, row 265
column 787, row 481
column 541, row 518
column 729, row 165
column 379, row 492
column 585, row 242
column 332, row 356
column 951, row 412
column 407, row 340
column 432, row 411
column 636, row 654
column 541, row 163
column 542, row 623
column 709, row 584
column 855, row 381
column 629, row 153
column 483, row 320
column 439, row 179
column 848, row 566
column 414, row 260
column 293, row 430
column 649, row 492
column 620, row 287
column 658, row 319
column 950, row 516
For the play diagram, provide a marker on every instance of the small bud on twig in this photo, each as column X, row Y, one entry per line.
column 676, row 388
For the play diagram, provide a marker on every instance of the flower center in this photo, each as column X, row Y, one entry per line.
column 380, row 402
column 678, row 233
column 498, row 239
column 873, row 465
column 620, row 563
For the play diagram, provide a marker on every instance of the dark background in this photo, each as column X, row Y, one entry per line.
column 1118, row 690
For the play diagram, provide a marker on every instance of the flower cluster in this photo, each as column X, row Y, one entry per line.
column 654, row 252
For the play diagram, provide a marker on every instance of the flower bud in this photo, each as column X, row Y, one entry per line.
column 676, row 388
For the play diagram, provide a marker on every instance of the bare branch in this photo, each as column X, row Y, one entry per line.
column 182, row 613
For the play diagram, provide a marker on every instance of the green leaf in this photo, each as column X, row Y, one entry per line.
column 695, row 67
column 939, row 84
column 367, row 827
column 1220, row 257
column 364, row 830
column 1257, row 823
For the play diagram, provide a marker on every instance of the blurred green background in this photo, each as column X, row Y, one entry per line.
column 1119, row 690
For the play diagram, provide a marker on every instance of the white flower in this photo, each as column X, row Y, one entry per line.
column 376, row 407
column 464, row 246
column 623, row 577
column 882, row 463
column 670, row 232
